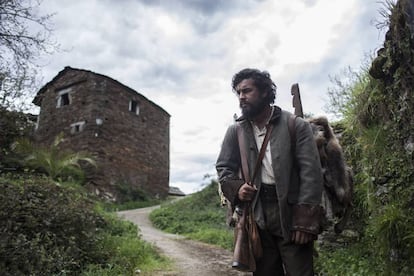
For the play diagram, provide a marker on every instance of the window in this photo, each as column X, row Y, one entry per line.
column 133, row 107
column 77, row 127
column 64, row 97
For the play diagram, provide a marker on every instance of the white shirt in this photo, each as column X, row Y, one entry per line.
column 268, row 176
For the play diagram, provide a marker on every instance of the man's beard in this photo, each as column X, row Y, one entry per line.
column 251, row 110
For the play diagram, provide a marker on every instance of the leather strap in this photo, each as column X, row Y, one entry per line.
column 292, row 132
column 243, row 154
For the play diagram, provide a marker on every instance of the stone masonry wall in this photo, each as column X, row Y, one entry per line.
column 130, row 149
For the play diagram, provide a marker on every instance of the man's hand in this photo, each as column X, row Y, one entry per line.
column 247, row 192
column 299, row 237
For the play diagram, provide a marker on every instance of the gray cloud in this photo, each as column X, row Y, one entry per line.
column 205, row 16
column 182, row 54
column 193, row 169
column 164, row 73
column 199, row 6
column 310, row 3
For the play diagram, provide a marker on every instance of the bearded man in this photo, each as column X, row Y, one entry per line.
column 286, row 194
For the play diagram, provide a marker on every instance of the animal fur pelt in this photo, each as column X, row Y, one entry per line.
column 338, row 177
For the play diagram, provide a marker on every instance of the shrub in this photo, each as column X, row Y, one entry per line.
column 58, row 164
column 47, row 229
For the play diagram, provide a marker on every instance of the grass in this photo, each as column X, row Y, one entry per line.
column 350, row 260
column 199, row 216
column 129, row 205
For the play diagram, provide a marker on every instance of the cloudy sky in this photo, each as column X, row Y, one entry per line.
column 182, row 54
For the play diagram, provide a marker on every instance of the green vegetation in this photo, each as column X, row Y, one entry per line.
column 129, row 205
column 51, row 225
column 382, row 214
column 52, row 229
column 354, row 259
column 199, row 216
column 57, row 163
column 129, row 197
column 378, row 126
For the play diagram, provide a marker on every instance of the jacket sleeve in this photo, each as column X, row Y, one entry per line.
column 307, row 212
column 228, row 166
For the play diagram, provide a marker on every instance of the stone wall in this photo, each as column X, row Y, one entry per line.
column 130, row 149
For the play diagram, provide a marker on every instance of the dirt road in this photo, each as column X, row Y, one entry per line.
column 190, row 257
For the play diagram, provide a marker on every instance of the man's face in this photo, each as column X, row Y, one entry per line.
column 252, row 102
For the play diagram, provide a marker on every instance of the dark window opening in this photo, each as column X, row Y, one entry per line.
column 64, row 99
column 133, row 107
column 77, row 127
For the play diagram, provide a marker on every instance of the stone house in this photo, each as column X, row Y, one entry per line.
column 126, row 133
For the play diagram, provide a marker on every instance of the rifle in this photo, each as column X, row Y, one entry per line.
column 247, row 243
column 296, row 101
column 243, row 257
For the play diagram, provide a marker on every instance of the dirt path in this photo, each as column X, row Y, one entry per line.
column 190, row 257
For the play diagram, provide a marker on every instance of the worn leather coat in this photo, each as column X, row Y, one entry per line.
column 299, row 187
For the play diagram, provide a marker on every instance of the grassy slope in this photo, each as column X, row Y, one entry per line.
column 199, row 216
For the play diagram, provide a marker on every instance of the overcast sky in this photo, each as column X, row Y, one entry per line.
column 182, row 54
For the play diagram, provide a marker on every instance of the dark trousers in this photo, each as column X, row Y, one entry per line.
column 280, row 257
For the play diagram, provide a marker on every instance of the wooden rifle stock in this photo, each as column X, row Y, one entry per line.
column 296, row 100
column 243, row 258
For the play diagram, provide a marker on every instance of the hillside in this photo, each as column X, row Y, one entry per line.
column 199, row 216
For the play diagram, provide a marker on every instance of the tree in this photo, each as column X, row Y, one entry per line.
column 24, row 35
column 13, row 125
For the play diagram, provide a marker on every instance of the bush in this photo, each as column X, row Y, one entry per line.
column 46, row 229
column 13, row 125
